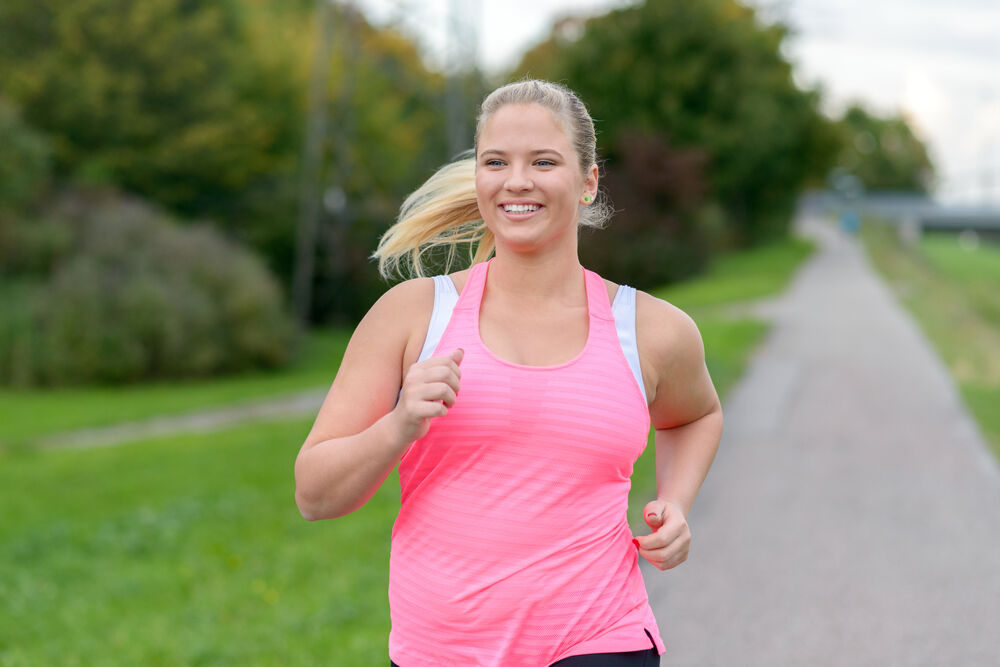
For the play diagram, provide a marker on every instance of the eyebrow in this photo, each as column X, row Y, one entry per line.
column 494, row 151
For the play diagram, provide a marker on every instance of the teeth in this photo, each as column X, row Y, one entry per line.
column 521, row 208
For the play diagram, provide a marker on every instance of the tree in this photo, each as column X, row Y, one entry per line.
column 200, row 108
column 701, row 77
column 883, row 152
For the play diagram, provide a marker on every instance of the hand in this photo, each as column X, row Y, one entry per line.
column 667, row 546
column 429, row 389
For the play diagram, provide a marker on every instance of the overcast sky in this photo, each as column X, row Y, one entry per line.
column 935, row 61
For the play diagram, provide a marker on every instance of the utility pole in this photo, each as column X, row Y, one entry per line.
column 461, row 59
column 312, row 163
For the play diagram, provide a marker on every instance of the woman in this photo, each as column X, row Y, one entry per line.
column 515, row 397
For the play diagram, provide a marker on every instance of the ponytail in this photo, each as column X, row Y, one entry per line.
column 442, row 213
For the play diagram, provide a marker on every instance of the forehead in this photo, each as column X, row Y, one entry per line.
column 528, row 125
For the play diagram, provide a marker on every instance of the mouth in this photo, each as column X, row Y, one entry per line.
column 520, row 210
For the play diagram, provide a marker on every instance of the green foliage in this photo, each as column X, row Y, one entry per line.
column 25, row 157
column 387, row 135
column 200, row 108
column 108, row 290
column 706, row 81
column 160, row 95
column 883, row 153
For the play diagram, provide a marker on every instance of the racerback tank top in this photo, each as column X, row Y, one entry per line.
column 511, row 546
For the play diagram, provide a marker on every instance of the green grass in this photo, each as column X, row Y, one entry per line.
column 28, row 414
column 954, row 293
column 189, row 550
column 742, row 276
column 186, row 551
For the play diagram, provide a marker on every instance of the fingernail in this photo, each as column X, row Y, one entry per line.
column 635, row 542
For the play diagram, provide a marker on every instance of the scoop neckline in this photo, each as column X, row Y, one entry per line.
column 512, row 364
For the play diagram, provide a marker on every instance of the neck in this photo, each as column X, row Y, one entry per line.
column 537, row 277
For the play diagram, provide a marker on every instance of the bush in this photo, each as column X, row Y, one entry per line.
column 24, row 160
column 109, row 290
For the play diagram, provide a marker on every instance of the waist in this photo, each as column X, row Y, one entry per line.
column 447, row 590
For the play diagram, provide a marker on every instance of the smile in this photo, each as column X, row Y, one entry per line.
column 520, row 208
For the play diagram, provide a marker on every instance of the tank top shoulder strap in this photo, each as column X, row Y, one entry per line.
column 475, row 283
column 445, row 298
column 623, row 310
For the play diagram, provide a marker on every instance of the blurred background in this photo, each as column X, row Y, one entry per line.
column 190, row 193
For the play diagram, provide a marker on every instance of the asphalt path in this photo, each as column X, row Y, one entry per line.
column 852, row 516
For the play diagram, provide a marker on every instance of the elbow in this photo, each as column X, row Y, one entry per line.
column 314, row 508
column 310, row 511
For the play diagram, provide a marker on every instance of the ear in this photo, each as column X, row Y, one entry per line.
column 590, row 181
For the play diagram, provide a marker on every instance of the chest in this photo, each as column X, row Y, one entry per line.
column 534, row 336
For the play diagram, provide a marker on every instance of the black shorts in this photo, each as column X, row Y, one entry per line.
column 644, row 658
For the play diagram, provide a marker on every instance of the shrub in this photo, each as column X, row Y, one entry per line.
column 132, row 296
column 24, row 160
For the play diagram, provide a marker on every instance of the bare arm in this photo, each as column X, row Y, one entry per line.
column 361, row 430
column 687, row 418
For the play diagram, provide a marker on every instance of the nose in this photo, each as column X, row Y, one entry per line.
column 518, row 180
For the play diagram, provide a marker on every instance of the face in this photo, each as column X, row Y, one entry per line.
column 528, row 181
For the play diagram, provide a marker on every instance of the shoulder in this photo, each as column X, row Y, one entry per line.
column 665, row 328
column 459, row 278
column 670, row 347
column 401, row 315
column 404, row 300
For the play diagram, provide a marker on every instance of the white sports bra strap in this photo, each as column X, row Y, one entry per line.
column 623, row 308
column 445, row 298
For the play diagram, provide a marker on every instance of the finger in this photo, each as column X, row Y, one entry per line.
column 673, row 555
column 437, row 392
column 428, row 409
column 661, row 563
column 455, row 358
column 449, row 397
column 436, row 365
column 434, row 374
column 666, row 534
column 655, row 513
column 668, row 555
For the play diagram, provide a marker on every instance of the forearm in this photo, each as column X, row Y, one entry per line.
column 683, row 456
column 337, row 476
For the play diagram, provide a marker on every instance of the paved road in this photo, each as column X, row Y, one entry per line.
column 852, row 516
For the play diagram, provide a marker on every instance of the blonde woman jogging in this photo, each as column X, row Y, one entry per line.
column 515, row 397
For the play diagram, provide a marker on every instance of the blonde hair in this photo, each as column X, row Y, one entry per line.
column 443, row 213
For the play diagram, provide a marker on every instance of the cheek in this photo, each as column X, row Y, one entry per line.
column 485, row 187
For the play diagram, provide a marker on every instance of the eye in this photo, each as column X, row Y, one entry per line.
column 494, row 162
column 545, row 163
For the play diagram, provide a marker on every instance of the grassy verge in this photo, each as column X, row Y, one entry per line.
column 186, row 551
column 954, row 293
column 28, row 414
column 189, row 550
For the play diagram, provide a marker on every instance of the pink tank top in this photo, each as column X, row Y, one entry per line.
column 511, row 546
